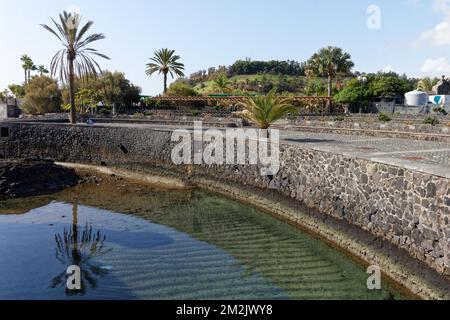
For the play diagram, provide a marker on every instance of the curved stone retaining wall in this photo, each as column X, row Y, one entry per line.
column 410, row 209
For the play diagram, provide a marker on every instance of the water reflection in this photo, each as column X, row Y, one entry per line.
column 78, row 247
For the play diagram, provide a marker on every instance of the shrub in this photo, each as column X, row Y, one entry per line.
column 105, row 112
column 42, row 96
column 440, row 110
column 383, row 117
column 195, row 113
column 431, row 120
column 339, row 118
column 181, row 89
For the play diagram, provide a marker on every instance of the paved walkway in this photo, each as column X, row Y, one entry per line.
column 418, row 155
column 425, row 156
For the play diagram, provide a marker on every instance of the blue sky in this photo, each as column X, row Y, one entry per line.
column 414, row 37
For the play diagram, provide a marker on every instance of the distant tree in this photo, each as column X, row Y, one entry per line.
column 116, row 91
column 42, row 70
column 329, row 62
column 42, row 96
column 389, row 85
column 28, row 66
column 354, row 93
column 75, row 59
column 4, row 95
column 265, row 110
column 426, row 84
column 17, row 90
column 165, row 62
column 181, row 89
column 222, row 84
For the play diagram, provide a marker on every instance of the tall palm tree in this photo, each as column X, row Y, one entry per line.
column 222, row 84
column 75, row 58
column 265, row 110
column 165, row 61
column 42, row 70
column 329, row 62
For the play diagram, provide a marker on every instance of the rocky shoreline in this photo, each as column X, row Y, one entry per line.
column 29, row 177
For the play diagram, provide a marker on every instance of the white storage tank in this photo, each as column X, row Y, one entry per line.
column 416, row 98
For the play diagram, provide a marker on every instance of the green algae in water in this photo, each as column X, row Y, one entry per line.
column 136, row 242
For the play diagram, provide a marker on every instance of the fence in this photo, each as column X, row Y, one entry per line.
column 225, row 106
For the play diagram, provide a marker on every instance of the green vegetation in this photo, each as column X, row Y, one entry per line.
column 245, row 67
column 383, row 117
column 440, row 110
column 426, row 84
column 265, row 110
column 75, row 59
column 42, row 70
column 339, row 119
column 181, row 89
column 165, row 61
column 431, row 120
column 28, row 66
column 222, row 84
column 329, row 62
column 360, row 91
column 42, row 96
column 17, row 90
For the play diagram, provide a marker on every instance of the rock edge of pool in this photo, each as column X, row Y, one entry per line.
column 404, row 273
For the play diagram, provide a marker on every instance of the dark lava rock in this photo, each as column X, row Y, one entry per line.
column 25, row 178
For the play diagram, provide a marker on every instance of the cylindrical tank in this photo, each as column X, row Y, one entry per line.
column 416, row 98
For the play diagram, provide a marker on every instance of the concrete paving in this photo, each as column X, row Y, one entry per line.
column 417, row 155
column 423, row 156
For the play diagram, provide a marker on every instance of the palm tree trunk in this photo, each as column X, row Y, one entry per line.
column 165, row 83
column 25, row 76
column 330, row 93
column 73, row 115
column 29, row 75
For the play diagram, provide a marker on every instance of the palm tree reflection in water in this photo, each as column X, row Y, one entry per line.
column 78, row 246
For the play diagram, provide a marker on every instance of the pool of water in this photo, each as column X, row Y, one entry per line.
column 138, row 242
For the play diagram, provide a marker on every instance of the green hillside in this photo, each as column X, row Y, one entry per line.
column 263, row 83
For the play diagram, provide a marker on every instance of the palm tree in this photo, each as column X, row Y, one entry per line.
column 329, row 62
column 42, row 70
column 165, row 61
column 75, row 58
column 425, row 84
column 222, row 84
column 80, row 246
column 265, row 110
column 27, row 65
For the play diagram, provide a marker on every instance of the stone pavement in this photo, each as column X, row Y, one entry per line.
column 424, row 156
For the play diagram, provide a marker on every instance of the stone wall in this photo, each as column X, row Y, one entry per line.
column 410, row 209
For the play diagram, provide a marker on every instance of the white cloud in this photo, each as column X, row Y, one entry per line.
column 415, row 3
column 442, row 6
column 436, row 66
column 440, row 34
column 389, row 69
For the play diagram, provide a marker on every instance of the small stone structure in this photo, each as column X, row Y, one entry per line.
column 442, row 87
column 9, row 109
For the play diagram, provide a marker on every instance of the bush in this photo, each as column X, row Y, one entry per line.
column 42, row 96
column 383, row 117
column 195, row 113
column 105, row 112
column 431, row 120
column 181, row 89
column 339, row 118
